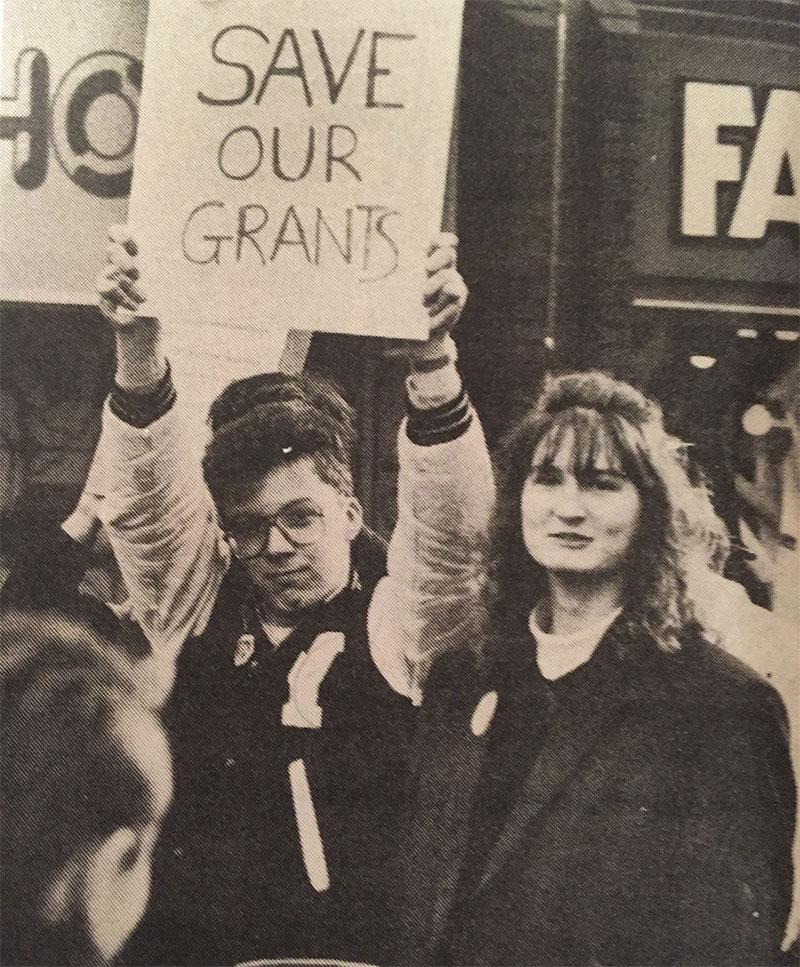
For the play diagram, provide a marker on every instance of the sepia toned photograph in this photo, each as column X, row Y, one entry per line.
column 400, row 491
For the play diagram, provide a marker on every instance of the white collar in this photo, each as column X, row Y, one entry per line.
column 276, row 634
column 558, row 655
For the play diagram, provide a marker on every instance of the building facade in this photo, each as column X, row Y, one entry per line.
column 624, row 181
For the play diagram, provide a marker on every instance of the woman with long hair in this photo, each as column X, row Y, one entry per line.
column 86, row 781
column 601, row 783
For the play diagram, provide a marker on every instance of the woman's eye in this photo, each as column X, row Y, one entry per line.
column 129, row 857
column 546, row 477
column 604, row 481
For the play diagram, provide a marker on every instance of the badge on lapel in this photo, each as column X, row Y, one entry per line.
column 245, row 649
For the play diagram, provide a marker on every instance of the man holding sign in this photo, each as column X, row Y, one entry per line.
column 299, row 666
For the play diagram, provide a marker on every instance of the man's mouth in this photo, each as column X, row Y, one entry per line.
column 288, row 576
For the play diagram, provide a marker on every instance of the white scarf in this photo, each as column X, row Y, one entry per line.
column 558, row 655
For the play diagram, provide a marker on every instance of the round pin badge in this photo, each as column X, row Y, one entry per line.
column 245, row 649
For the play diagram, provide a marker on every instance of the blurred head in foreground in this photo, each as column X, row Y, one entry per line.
column 86, row 781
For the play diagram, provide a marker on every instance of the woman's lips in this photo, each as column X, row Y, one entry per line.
column 572, row 540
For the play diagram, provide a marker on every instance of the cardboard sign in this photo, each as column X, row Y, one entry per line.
column 70, row 90
column 291, row 159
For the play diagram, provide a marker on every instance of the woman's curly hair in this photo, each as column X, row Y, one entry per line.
column 679, row 537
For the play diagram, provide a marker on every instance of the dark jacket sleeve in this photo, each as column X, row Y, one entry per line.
column 46, row 577
column 47, row 572
column 738, row 837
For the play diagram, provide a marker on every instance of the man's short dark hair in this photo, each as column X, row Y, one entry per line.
column 273, row 419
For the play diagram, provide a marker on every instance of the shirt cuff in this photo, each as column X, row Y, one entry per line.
column 141, row 409
column 428, row 427
column 434, row 381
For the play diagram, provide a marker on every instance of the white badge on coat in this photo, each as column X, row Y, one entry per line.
column 483, row 714
column 307, row 674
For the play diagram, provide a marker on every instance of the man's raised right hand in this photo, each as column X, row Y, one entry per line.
column 140, row 360
column 119, row 292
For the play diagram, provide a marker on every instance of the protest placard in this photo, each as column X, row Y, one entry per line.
column 291, row 159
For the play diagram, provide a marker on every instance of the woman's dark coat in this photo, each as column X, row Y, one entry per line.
column 653, row 825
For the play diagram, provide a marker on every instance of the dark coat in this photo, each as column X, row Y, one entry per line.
column 653, row 824
column 46, row 576
column 230, row 884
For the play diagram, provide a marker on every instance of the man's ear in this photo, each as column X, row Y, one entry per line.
column 61, row 898
column 355, row 517
column 114, row 895
column 98, row 886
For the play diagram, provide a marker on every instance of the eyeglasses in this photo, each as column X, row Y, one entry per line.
column 300, row 524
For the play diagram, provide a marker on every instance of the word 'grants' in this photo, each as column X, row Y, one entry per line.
column 360, row 237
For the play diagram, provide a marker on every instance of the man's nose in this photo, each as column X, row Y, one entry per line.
column 569, row 504
column 277, row 542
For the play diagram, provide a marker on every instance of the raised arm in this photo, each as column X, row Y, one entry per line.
column 429, row 601
column 158, row 512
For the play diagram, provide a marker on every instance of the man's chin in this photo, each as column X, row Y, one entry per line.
column 291, row 607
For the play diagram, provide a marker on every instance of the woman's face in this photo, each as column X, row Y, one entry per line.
column 578, row 521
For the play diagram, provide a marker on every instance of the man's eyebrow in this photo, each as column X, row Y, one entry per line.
column 237, row 517
column 590, row 469
column 299, row 504
column 244, row 516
